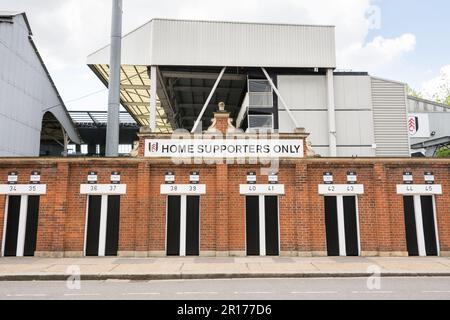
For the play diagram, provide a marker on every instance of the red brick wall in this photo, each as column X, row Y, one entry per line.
column 62, row 216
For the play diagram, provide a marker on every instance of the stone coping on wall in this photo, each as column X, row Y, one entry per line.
column 164, row 161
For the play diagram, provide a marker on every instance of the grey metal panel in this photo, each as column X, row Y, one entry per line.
column 306, row 97
column 355, row 128
column 390, row 118
column 439, row 123
column 25, row 92
column 303, row 92
column 418, row 105
column 215, row 43
column 352, row 92
column 314, row 122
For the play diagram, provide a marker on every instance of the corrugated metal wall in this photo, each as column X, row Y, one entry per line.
column 25, row 91
column 212, row 43
column 390, row 118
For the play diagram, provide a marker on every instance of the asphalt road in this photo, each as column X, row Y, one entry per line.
column 235, row 289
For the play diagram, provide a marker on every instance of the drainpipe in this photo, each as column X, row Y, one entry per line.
column 331, row 114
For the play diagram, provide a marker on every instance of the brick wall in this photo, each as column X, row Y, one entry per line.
column 62, row 217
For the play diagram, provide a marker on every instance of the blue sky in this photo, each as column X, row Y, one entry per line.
column 429, row 21
column 411, row 44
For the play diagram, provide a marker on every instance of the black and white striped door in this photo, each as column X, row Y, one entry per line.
column 102, row 225
column 341, row 221
column 183, row 225
column 21, row 225
column 262, row 225
column 420, row 224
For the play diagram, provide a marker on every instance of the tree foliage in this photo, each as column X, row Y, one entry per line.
column 443, row 153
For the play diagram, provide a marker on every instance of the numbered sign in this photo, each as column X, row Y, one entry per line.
column 419, row 189
column 183, row 189
column 341, row 189
column 262, row 189
column 23, row 189
column 103, row 189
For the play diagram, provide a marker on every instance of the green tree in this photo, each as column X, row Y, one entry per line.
column 443, row 153
column 447, row 101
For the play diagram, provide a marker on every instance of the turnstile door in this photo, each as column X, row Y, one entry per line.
column 429, row 226
column 331, row 224
column 173, row 225
column 32, row 226
column 192, row 225
column 21, row 226
column 421, row 236
column 112, row 226
column 410, row 224
column 351, row 226
column 93, row 225
column 252, row 225
column 344, row 209
column 262, row 238
column 183, row 225
column 102, row 237
column 272, row 228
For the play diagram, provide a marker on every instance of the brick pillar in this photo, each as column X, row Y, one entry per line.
column 222, row 216
column 302, row 210
column 383, row 224
column 60, row 208
column 142, row 209
column 222, row 119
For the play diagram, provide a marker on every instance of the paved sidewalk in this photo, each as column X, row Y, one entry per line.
column 17, row 269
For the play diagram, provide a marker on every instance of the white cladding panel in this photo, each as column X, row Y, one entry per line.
column 25, row 91
column 214, row 43
column 306, row 96
column 390, row 118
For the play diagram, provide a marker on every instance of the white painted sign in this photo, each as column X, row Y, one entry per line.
column 262, row 189
column 341, row 189
column 429, row 178
column 13, row 177
column 103, row 189
column 183, row 189
column 419, row 189
column 92, row 178
column 223, row 148
column 23, row 189
column 419, row 125
column 35, row 178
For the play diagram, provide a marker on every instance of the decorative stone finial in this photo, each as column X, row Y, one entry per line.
column 222, row 107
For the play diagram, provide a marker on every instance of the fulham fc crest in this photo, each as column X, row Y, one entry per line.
column 413, row 125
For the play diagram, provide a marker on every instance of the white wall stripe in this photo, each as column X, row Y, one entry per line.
column 103, row 224
column 358, row 229
column 341, row 226
column 22, row 226
column 4, row 225
column 419, row 226
column 183, row 226
column 262, row 225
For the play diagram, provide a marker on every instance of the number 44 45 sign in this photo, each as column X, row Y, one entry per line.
column 419, row 189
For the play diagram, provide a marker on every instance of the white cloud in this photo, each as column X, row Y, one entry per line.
column 438, row 88
column 379, row 52
column 67, row 31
